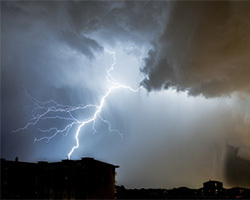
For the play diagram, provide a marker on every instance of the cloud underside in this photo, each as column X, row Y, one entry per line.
column 204, row 49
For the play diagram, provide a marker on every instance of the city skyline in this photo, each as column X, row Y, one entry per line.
column 88, row 178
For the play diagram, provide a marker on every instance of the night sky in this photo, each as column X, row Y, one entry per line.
column 189, row 123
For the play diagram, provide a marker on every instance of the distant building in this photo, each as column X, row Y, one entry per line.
column 70, row 179
column 238, row 193
column 212, row 188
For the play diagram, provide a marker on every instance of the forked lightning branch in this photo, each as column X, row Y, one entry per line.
column 51, row 110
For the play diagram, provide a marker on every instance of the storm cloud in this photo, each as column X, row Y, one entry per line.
column 204, row 49
column 189, row 123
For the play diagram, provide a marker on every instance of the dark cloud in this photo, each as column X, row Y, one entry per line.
column 51, row 20
column 204, row 49
column 75, row 22
column 80, row 43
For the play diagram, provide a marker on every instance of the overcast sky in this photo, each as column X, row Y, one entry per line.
column 189, row 123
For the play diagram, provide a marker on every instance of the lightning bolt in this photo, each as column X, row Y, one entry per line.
column 50, row 110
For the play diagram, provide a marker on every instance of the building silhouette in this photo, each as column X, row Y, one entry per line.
column 69, row 179
column 213, row 188
column 92, row 179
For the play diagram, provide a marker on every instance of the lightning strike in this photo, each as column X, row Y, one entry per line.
column 51, row 107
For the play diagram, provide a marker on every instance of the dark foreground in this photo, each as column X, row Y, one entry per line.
column 91, row 179
column 210, row 190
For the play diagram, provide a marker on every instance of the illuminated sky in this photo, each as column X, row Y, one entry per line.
column 190, row 122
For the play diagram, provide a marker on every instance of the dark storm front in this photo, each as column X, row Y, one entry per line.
column 70, row 179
